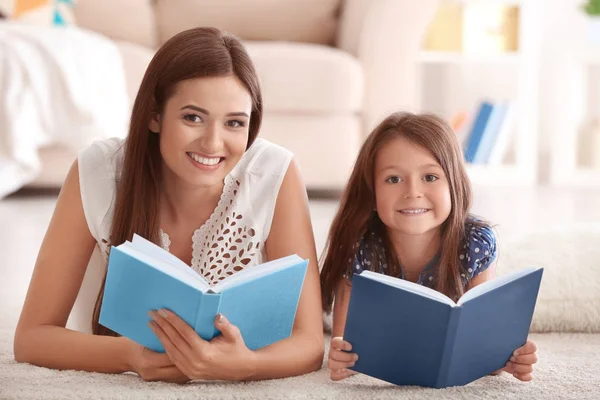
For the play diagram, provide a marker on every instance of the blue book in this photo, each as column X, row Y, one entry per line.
column 408, row 334
column 490, row 133
column 261, row 300
column 476, row 135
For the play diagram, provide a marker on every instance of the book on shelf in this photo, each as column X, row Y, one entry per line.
column 490, row 133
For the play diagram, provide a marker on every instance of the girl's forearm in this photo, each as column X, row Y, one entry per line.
column 297, row 355
column 60, row 348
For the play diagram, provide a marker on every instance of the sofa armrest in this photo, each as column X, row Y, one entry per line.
column 386, row 36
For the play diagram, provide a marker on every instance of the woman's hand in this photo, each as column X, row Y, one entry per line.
column 226, row 357
column 339, row 361
column 153, row 366
column 521, row 362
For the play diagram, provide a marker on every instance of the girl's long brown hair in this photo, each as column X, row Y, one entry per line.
column 356, row 219
column 195, row 53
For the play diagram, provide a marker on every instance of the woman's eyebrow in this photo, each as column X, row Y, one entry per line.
column 204, row 111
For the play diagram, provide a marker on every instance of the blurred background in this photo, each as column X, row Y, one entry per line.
column 519, row 81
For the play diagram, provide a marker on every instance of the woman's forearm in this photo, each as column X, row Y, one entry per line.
column 297, row 355
column 60, row 348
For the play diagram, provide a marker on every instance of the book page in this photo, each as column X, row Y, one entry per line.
column 495, row 283
column 154, row 251
column 164, row 261
column 164, row 267
column 255, row 272
column 409, row 286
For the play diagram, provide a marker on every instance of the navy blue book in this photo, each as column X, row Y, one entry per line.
column 408, row 334
column 261, row 300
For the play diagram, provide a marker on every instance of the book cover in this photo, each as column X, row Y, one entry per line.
column 408, row 334
column 490, row 133
column 476, row 134
column 260, row 300
column 501, row 145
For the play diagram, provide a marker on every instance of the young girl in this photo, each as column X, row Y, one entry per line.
column 192, row 177
column 405, row 213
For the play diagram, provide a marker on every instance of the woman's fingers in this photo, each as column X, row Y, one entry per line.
column 172, row 374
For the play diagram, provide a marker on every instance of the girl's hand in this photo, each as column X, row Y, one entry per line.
column 153, row 366
column 521, row 362
column 226, row 357
column 339, row 361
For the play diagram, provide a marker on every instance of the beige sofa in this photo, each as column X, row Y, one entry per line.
column 329, row 69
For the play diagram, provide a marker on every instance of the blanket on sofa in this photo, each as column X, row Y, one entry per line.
column 58, row 86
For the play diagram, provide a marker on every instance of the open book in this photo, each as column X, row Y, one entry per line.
column 260, row 300
column 409, row 334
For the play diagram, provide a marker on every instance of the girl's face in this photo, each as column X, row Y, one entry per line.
column 204, row 129
column 411, row 190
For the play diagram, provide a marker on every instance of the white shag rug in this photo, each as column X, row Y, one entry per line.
column 569, row 301
column 568, row 369
column 569, row 297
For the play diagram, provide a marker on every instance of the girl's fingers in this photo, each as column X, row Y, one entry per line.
column 339, row 374
column 525, row 359
column 520, row 368
column 339, row 355
column 527, row 348
column 523, row 377
column 340, row 344
column 335, row 365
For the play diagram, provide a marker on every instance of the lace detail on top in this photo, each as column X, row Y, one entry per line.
column 224, row 244
column 165, row 241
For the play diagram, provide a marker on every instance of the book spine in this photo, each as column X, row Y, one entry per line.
column 207, row 312
column 446, row 360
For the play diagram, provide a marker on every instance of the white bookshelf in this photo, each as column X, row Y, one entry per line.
column 523, row 68
column 571, row 99
column 441, row 57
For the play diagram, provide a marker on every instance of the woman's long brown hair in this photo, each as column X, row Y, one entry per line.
column 195, row 53
column 356, row 219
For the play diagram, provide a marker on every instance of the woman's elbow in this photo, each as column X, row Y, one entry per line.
column 20, row 347
column 317, row 361
column 317, row 352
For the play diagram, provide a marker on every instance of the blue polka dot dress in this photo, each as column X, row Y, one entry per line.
column 477, row 252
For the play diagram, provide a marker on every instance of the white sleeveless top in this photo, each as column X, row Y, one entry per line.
column 233, row 237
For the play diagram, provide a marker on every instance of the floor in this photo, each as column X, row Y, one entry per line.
column 25, row 216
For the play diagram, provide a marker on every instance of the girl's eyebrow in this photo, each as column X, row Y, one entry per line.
column 424, row 166
column 430, row 166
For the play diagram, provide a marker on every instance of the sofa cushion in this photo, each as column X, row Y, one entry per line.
column 131, row 20
column 312, row 21
column 314, row 139
column 135, row 61
column 300, row 77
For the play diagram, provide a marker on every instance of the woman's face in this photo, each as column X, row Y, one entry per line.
column 204, row 129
